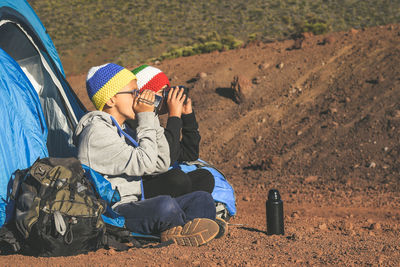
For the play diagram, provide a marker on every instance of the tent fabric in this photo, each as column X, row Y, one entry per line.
column 39, row 110
column 24, row 38
column 23, row 7
column 23, row 128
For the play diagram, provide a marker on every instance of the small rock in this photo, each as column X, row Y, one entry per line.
column 261, row 186
column 201, row 74
column 376, row 226
column 196, row 263
column 263, row 66
column 255, row 80
column 372, row 165
column 299, row 133
column 311, row 178
column 157, row 62
column 298, row 43
column 246, row 198
column 323, row 226
column 111, row 251
column 385, row 149
column 295, row 215
column 333, row 110
column 328, row 40
column 242, row 89
column 307, row 35
column 280, row 65
column 258, row 139
column 353, row 31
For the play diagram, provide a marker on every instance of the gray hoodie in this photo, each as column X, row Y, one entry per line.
column 101, row 147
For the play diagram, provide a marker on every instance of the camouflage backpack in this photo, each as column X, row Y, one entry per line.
column 57, row 211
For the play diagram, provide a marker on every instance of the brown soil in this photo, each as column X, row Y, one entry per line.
column 320, row 122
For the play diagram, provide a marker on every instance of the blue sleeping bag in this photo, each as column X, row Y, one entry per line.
column 223, row 191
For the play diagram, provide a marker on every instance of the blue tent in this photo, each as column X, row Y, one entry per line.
column 39, row 110
column 23, row 128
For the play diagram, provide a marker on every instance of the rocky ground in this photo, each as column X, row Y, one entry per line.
column 319, row 120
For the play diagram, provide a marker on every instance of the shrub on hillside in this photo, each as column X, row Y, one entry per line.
column 211, row 42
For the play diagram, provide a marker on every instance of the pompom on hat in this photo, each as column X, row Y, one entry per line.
column 150, row 78
column 105, row 81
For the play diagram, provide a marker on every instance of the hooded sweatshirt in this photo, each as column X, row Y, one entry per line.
column 102, row 148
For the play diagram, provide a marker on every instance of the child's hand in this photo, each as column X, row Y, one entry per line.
column 175, row 102
column 144, row 102
column 187, row 108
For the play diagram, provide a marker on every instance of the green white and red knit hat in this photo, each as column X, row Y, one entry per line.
column 150, row 78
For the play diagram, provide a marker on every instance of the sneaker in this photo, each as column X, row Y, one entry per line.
column 223, row 227
column 194, row 233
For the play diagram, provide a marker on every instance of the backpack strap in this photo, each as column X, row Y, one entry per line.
column 134, row 143
column 121, row 132
column 19, row 176
column 117, row 237
column 201, row 163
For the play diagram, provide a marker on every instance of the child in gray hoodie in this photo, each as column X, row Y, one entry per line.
column 122, row 155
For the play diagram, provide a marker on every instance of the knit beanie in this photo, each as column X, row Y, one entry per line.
column 150, row 78
column 105, row 81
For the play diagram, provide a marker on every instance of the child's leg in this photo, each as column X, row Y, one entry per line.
column 153, row 215
column 197, row 204
column 202, row 180
column 173, row 183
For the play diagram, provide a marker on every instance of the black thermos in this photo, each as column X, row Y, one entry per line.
column 274, row 207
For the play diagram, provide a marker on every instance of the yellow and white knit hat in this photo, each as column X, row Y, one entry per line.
column 105, row 81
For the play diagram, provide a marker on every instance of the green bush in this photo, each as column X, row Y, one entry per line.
column 209, row 43
column 316, row 28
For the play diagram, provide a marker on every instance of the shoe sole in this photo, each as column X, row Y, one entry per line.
column 194, row 233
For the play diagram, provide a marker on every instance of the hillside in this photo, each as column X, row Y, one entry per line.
column 320, row 122
column 87, row 33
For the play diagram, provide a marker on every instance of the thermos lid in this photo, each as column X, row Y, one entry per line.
column 274, row 195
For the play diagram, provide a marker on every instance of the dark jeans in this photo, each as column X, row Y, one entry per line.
column 176, row 183
column 157, row 214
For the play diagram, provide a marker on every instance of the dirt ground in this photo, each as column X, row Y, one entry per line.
column 319, row 120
